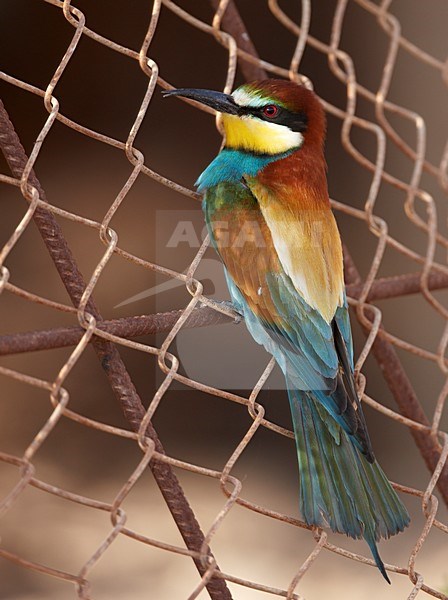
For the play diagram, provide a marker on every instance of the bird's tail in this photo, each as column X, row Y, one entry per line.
column 339, row 488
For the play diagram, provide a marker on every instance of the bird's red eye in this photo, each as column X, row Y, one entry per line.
column 270, row 111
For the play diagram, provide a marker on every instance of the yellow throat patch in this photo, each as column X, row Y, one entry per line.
column 255, row 135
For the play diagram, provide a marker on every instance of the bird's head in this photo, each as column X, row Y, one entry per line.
column 272, row 116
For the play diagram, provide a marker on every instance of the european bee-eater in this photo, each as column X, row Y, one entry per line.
column 286, row 279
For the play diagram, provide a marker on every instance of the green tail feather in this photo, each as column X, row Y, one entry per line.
column 339, row 488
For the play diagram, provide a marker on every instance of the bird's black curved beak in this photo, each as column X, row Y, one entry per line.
column 218, row 100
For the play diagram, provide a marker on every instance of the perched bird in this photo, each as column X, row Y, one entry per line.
column 285, row 276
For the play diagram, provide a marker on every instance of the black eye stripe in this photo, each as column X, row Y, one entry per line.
column 295, row 121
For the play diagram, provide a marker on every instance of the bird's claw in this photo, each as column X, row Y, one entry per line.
column 227, row 307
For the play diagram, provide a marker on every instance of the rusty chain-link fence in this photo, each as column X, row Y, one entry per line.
column 419, row 212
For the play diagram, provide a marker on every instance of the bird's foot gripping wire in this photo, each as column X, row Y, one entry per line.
column 226, row 307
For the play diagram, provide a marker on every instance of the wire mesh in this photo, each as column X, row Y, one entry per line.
column 227, row 30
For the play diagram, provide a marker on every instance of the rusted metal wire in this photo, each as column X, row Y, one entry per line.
column 402, row 391
column 111, row 362
column 127, row 327
column 228, row 30
column 130, row 327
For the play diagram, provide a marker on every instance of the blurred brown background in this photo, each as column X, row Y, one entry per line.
column 102, row 89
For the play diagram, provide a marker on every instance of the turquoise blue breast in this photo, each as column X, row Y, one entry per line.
column 232, row 165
